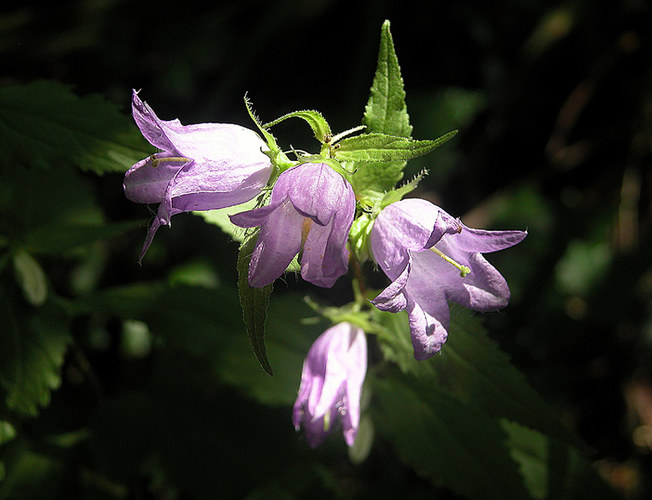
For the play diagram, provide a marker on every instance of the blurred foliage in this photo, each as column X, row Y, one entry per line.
column 146, row 386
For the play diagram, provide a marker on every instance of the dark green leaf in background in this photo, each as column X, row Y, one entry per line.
column 551, row 469
column 472, row 369
column 207, row 324
column 450, row 443
column 32, row 349
column 44, row 124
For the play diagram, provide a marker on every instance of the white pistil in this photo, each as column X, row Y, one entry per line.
column 463, row 269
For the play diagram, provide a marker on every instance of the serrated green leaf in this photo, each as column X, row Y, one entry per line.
column 32, row 349
column 386, row 113
column 553, row 470
column 31, row 278
column 44, row 124
column 472, row 369
column 382, row 148
column 254, row 302
column 315, row 119
column 450, row 443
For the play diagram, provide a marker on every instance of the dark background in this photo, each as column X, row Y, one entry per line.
column 554, row 105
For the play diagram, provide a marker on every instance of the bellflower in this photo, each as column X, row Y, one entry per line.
column 432, row 258
column 331, row 384
column 204, row 166
column 310, row 211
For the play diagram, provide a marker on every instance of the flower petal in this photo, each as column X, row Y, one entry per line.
column 410, row 224
column 278, row 242
column 483, row 289
column 429, row 320
column 318, row 192
column 483, row 241
column 392, row 298
column 144, row 183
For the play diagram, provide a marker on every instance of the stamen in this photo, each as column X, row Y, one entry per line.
column 463, row 269
column 305, row 229
column 156, row 161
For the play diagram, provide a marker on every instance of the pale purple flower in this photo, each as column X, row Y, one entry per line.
column 310, row 211
column 432, row 258
column 204, row 166
column 331, row 384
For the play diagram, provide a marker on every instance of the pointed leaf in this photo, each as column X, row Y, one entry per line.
column 385, row 112
column 448, row 442
column 383, row 148
column 254, row 302
column 44, row 124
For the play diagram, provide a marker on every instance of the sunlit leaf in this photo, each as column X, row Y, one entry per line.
column 386, row 113
column 385, row 148
column 220, row 218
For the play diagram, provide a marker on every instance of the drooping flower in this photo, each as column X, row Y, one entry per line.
column 203, row 166
column 310, row 211
column 331, row 384
column 432, row 258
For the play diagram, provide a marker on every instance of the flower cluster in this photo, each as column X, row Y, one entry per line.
column 430, row 257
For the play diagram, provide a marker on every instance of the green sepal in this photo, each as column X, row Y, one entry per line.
column 397, row 194
column 254, row 302
column 315, row 119
column 279, row 158
column 377, row 147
